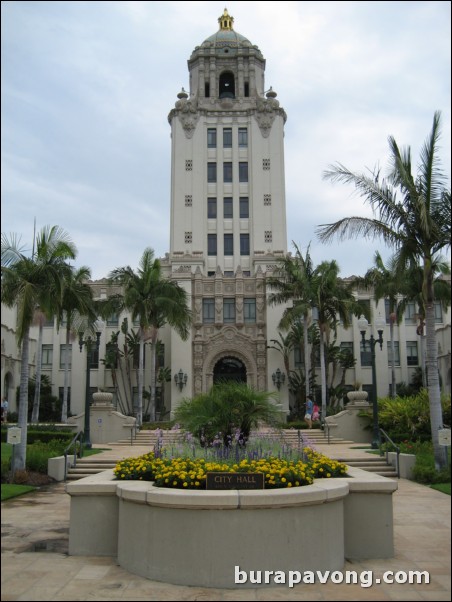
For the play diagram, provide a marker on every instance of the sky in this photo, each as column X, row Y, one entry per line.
column 86, row 88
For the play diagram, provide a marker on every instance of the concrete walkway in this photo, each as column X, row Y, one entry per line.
column 35, row 564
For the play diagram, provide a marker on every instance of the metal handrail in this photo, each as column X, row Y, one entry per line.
column 397, row 448
column 78, row 437
column 326, row 430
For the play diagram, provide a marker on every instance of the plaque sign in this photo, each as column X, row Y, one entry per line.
column 234, row 480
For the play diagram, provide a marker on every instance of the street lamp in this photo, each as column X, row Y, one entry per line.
column 90, row 345
column 363, row 325
column 278, row 378
column 180, row 379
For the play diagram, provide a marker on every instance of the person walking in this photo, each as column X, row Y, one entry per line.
column 308, row 413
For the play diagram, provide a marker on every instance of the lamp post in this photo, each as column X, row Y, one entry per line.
column 89, row 343
column 180, row 379
column 363, row 325
column 278, row 378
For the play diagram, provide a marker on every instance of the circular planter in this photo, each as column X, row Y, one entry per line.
column 202, row 538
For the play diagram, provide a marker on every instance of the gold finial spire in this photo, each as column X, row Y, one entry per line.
column 226, row 21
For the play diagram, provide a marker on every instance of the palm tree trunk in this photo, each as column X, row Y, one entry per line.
column 20, row 455
column 153, row 372
column 307, row 363
column 66, row 374
column 37, row 397
column 140, row 381
column 434, row 394
column 323, row 373
column 393, row 373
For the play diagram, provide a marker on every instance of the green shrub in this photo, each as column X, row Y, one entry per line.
column 408, row 418
column 39, row 453
column 44, row 436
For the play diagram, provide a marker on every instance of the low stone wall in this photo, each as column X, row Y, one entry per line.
column 406, row 464
column 349, row 425
column 198, row 537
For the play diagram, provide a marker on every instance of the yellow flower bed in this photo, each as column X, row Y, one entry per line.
column 187, row 473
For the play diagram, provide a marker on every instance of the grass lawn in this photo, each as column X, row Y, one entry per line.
column 9, row 491
column 444, row 487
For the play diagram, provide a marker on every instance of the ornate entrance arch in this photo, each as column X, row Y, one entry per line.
column 229, row 368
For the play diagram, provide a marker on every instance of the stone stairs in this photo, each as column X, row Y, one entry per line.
column 88, row 466
column 375, row 464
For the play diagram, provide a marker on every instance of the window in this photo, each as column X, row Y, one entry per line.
column 188, row 165
column 160, row 355
column 244, row 244
column 412, row 357
column 229, row 244
column 410, row 313
column 211, row 244
column 227, row 137
column 366, row 354
column 396, row 353
column 297, row 356
column 228, row 311
column 243, row 171
column 94, row 359
column 247, row 89
column 243, row 138
column 47, row 355
column 265, row 164
column 227, row 207
column 227, row 172
column 63, row 355
column 438, row 312
column 267, row 200
column 188, row 238
column 188, row 200
column 244, row 207
column 268, row 236
column 49, row 322
column 347, row 347
column 208, row 311
column 387, row 311
column 211, row 138
column 249, row 310
column 211, row 172
column 228, row 274
column 207, row 90
column 212, row 208
column 113, row 320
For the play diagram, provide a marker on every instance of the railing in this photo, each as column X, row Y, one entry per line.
column 326, row 430
column 78, row 437
column 396, row 447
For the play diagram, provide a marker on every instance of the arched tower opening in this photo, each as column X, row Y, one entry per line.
column 227, row 85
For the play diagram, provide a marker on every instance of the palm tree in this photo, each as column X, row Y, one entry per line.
column 416, row 224
column 29, row 283
column 388, row 282
column 76, row 302
column 333, row 299
column 413, row 292
column 292, row 281
column 152, row 300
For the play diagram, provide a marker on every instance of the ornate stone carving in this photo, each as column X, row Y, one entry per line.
column 187, row 111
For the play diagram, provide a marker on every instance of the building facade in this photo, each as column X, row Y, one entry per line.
column 227, row 232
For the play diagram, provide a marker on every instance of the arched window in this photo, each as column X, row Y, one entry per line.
column 227, row 85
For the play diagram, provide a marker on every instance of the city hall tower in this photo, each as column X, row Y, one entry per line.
column 228, row 214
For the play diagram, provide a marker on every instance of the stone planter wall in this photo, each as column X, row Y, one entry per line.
column 198, row 537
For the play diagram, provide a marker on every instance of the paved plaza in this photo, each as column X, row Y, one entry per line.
column 36, row 566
